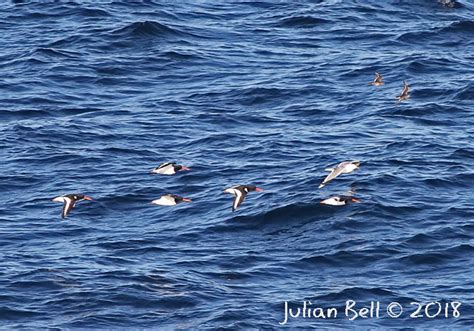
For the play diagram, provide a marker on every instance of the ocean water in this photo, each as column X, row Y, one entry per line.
column 95, row 95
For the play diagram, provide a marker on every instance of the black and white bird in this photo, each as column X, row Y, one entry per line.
column 339, row 200
column 377, row 81
column 69, row 201
column 448, row 3
column 170, row 200
column 240, row 192
column 169, row 168
column 342, row 168
column 405, row 92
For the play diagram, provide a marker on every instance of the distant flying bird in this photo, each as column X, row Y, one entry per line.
column 339, row 200
column 378, row 80
column 69, row 201
column 240, row 192
column 448, row 3
column 342, row 168
column 170, row 200
column 405, row 92
column 169, row 168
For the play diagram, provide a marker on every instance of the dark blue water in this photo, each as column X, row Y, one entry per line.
column 94, row 95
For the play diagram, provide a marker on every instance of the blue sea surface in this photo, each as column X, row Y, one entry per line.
column 94, row 95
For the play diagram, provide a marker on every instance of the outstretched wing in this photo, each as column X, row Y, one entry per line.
column 238, row 199
column 67, row 207
column 406, row 89
column 378, row 78
column 334, row 173
column 164, row 165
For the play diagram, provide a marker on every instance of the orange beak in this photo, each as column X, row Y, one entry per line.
column 88, row 198
column 258, row 189
column 187, row 200
column 185, row 168
column 355, row 200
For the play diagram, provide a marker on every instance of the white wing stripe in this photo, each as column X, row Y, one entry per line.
column 68, row 205
column 237, row 199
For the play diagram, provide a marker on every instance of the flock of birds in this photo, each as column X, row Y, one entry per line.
column 240, row 191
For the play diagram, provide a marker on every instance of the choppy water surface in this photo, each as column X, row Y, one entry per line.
column 95, row 95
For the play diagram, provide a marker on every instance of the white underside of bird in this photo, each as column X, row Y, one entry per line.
column 165, row 170
column 164, row 201
column 333, row 202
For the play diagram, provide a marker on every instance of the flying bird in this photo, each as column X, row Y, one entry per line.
column 339, row 200
column 240, row 192
column 69, row 201
column 342, row 168
column 377, row 81
column 405, row 92
column 169, row 168
column 170, row 200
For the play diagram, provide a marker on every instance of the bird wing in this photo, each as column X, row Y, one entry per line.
column 401, row 96
column 334, row 173
column 406, row 89
column 378, row 78
column 163, row 165
column 67, row 207
column 239, row 198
